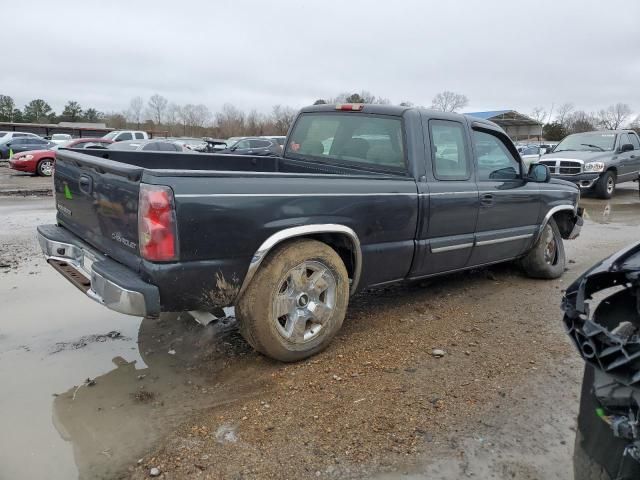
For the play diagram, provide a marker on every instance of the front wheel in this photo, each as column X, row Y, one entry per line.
column 296, row 302
column 45, row 167
column 546, row 259
column 606, row 185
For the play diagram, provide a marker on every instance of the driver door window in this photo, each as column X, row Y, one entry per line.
column 494, row 160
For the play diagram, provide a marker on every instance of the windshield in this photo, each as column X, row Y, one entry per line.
column 587, row 142
column 111, row 135
column 357, row 139
column 60, row 136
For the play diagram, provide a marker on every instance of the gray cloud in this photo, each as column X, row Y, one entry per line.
column 254, row 54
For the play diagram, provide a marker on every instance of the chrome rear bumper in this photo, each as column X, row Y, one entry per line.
column 102, row 279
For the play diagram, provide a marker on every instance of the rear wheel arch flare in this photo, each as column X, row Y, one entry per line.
column 339, row 237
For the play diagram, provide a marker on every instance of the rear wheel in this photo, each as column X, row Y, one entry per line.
column 546, row 259
column 296, row 302
column 606, row 185
column 45, row 167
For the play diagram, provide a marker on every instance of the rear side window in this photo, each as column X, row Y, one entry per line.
column 139, row 136
column 125, row 136
column 260, row 143
column 348, row 138
column 165, row 147
column 449, row 150
column 634, row 141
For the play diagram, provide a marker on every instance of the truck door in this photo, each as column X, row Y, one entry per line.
column 445, row 236
column 626, row 160
column 635, row 155
column 509, row 206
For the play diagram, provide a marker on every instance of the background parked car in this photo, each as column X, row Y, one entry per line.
column 22, row 144
column 281, row 139
column 61, row 138
column 596, row 161
column 41, row 162
column 254, row 146
column 124, row 135
column 215, row 145
column 8, row 136
column 160, row 145
column 531, row 154
column 196, row 144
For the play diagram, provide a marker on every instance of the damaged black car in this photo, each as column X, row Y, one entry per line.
column 602, row 317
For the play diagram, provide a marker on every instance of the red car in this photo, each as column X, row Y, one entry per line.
column 41, row 162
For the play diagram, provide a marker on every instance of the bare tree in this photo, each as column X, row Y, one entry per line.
column 230, row 121
column 255, row 124
column 282, row 118
column 539, row 114
column 614, row 116
column 580, row 121
column 564, row 110
column 157, row 106
column 363, row 97
column 135, row 110
column 172, row 117
column 636, row 124
column 449, row 101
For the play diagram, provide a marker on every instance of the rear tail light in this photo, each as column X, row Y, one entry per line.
column 350, row 107
column 157, row 229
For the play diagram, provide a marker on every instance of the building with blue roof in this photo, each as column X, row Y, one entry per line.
column 517, row 125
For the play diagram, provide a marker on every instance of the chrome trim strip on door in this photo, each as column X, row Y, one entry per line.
column 450, row 248
column 503, row 239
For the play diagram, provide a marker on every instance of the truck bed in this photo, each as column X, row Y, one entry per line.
column 209, row 163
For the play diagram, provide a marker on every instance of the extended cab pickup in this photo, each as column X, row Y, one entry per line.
column 596, row 161
column 363, row 195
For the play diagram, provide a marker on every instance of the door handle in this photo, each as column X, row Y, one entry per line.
column 86, row 184
column 486, row 200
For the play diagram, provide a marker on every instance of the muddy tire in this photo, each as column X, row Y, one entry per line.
column 45, row 167
column 296, row 302
column 546, row 259
column 606, row 185
column 584, row 467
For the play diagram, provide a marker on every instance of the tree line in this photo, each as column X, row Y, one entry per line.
column 566, row 119
column 160, row 115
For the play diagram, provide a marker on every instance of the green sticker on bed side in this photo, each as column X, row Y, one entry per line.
column 67, row 193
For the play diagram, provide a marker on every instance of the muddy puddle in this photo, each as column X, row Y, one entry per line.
column 621, row 209
column 87, row 391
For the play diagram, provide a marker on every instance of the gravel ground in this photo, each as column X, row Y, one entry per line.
column 378, row 401
column 196, row 401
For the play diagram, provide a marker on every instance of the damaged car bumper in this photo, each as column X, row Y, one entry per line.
column 602, row 318
column 99, row 277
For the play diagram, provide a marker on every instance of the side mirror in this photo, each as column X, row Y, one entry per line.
column 627, row 147
column 539, row 173
column 9, row 144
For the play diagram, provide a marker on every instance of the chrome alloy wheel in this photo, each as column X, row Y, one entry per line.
column 305, row 301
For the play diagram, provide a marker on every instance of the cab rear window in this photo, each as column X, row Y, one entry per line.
column 350, row 139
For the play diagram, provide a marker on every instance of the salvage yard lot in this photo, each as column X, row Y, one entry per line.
column 199, row 402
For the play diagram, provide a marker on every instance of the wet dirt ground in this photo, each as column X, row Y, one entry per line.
column 13, row 182
column 89, row 393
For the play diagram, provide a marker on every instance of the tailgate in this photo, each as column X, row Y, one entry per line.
column 97, row 199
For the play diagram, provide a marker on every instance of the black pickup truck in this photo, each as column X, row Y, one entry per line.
column 363, row 195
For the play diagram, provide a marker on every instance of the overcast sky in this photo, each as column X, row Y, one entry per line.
column 256, row 53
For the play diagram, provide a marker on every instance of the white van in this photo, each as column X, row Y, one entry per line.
column 121, row 135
